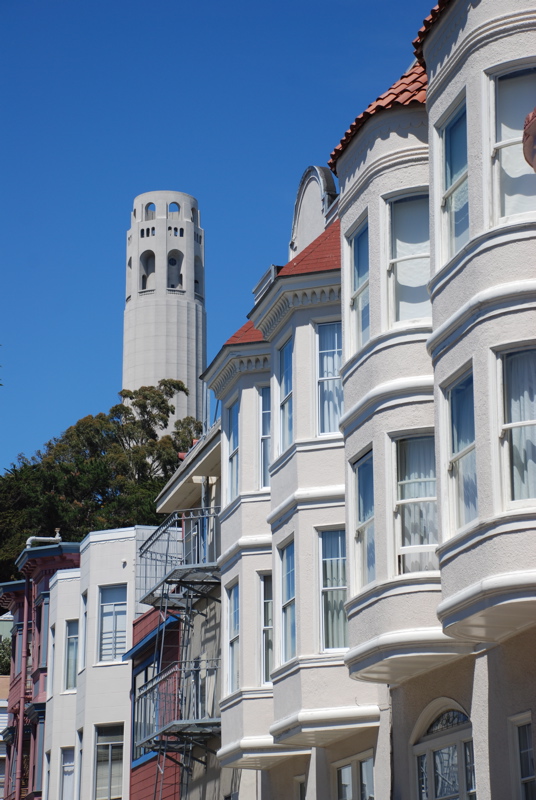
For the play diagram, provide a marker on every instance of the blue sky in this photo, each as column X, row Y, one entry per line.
column 101, row 101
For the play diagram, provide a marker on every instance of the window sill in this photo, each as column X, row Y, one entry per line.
column 114, row 663
column 68, row 692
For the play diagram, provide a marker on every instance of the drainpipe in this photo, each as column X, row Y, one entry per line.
column 44, row 539
column 22, row 696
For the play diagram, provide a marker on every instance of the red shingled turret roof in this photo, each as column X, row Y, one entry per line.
column 320, row 256
column 246, row 334
column 410, row 88
column 432, row 17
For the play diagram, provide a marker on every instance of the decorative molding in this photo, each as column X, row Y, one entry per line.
column 446, row 35
column 394, row 587
column 401, row 390
column 384, row 163
column 293, row 299
column 503, row 524
column 244, row 546
column 325, row 719
column 498, row 300
column 394, row 337
column 236, row 365
column 315, row 495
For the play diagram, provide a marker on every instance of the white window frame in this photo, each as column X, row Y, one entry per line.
column 459, row 736
column 52, row 660
column 267, row 630
column 392, row 261
column 288, row 604
column 265, row 411
column 321, row 380
column 360, row 292
column 233, row 627
column 233, row 480
column 286, row 409
column 109, row 746
column 117, row 650
column 82, row 641
column 401, row 550
column 64, row 765
column 449, row 247
column 498, row 146
column 363, row 534
column 454, row 459
column 355, row 763
column 74, row 637
column 505, row 428
column 515, row 723
column 325, row 591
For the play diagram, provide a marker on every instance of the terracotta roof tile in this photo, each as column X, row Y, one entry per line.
column 432, row 17
column 245, row 335
column 410, row 88
column 320, row 256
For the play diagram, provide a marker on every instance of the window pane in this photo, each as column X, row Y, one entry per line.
column 289, row 631
column 456, row 149
column 334, row 588
column 330, row 386
column 288, row 572
column 520, row 401
column 366, row 773
column 71, row 660
column 462, row 415
column 410, row 237
column 462, row 419
column 422, row 777
column 446, row 772
column 285, row 369
column 67, row 773
column 267, row 622
column 458, row 213
column 344, row 783
column 515, row 94
column 469, row 767
column 361, row 258
column 365, row 488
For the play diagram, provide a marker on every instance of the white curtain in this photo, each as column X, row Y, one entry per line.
column 67, row 773
column 334, row 588
column 521, row 407
column 417, row 479
column 515, row 94
column 463, row 435
column 330, row 388
column 410, row 237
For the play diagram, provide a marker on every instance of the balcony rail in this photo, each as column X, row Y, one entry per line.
column 188, row 538
column 181, row 700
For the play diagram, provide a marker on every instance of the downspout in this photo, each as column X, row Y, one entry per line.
column 22, row 696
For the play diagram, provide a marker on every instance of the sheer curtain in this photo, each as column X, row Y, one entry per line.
column 515, row 93
column 463, row 450
column 334, row 588
column 67, row 773
column 411, row 257
column 521, row 408
column 329, row 381
column 417, row 481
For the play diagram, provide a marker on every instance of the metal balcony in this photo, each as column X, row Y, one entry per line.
column 179, row 705
column 181, row 553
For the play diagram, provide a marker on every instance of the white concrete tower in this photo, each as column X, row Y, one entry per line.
column 164, row 325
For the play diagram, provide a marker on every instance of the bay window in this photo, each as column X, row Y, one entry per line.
column 288, row 608
column 455, row 199
column 355, row 780
column 233, row 451
column 416, row 506
column 333, row 553
column 514, row 178
column 409, row 264
column 329, row 381
column 285, row 396
column 265, row 413
column 462, row 464
column 526, row 771
column 519, row 428
column 365, row 518
column 359, row 301
column 67, row 773
column 234, row 637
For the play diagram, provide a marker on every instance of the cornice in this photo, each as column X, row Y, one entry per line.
column 293, row 298
column 237, row 364
column 411, row 156
column 492, row 30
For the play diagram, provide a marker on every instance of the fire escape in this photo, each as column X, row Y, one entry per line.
column 177, row 712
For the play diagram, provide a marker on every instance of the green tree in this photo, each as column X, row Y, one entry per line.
column 103, row 472
column 5, row 656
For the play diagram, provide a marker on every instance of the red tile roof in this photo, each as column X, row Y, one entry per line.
column 320, row 256
column 432, row 17
column 246, row 334
column 410, row 88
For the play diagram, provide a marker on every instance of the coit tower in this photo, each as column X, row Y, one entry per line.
column 164, row 325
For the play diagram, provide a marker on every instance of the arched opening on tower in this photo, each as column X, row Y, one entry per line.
column 195, row 217
column 173, row 210
column 150, row 211
column 174, row 269
column 199, row 278
column 147, row 270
